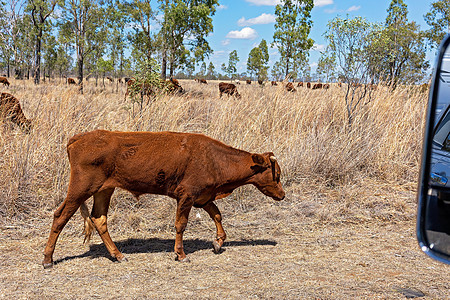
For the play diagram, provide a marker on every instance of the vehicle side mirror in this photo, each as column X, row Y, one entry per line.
column 433, row 193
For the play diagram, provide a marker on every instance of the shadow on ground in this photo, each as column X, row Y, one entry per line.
column 155, row 245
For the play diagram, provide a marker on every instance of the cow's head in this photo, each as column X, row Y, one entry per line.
column 267, row 175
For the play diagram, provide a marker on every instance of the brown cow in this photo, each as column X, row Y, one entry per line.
column 109, row 78
column 290, row 87
column 4, row 80
column 202, row 80
column 317, row 86
column 228, row 88
column 274, row 83
column 260, row 81
column 70, row 81
column 326, row 86
column 308, row 85
column 192, row 168
column 248, row 81
column 300, row 84
column 10, row 110
column 173, row 86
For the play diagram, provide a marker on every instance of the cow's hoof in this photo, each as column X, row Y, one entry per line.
column 184, row 260
column 47, row 265
column 217, row 247
column 123, row 259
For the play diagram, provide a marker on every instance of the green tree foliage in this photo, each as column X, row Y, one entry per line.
column 16, row 38
column 348, row 41
column 257, row 61
column 231, row 69
column 185, row 22
column 83, row 19
column 40, row 11
column 141, row 16
column 292, row 28
column 397, row 52
column 210, row 72
column 438, row 18
column 326, row 67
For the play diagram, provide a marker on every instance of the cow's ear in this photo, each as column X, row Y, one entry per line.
column 260, row 162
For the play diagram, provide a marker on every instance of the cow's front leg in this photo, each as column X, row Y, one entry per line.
column 184, row 206
column 215, row 214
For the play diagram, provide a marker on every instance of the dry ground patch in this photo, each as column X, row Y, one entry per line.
column 345, row 230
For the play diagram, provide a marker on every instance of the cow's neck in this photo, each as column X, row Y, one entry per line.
column 236, row 170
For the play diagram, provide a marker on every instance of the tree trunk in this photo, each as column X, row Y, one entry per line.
column 37, row 70
column 164, row 65
column 80, row 73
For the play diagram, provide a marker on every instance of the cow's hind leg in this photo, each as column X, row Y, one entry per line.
column 60, row 218
column 215, row 214
column 184, row 206
column 99, row 220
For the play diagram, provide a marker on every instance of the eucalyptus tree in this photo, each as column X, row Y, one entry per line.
column 291, row 37
column 83, row 20
column 185, row 23
column 40, row 11
column 233, row 59
column 257, row 61
column 11, row 33
column 326, row 66
column 438, row 18
column 210, row 72
column 397, row 50
column 348, row 41
column 142, row 19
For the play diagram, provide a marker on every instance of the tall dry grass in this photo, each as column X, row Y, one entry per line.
column 308, row 131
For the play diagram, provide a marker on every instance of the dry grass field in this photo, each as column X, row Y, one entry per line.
column 346, row 228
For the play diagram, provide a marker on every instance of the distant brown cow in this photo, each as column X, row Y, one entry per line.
column 326, row 86
column 4, row 80
column 248, row 81
column 228, row 88
column 174, row 86
column 316, row 86
column 70, row 81
column 308, row 85
column 192, row 168
column 10, row 110
column 372, row 87
column 260, row 81
column 202, row 80
column 290, row 87
column 300, row 84
column 274, row 83
column 109, row 78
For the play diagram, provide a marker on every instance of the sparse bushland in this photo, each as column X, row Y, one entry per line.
column 307, row 130
column 346, row 229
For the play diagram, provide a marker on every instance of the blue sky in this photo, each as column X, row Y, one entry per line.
column 242, row 24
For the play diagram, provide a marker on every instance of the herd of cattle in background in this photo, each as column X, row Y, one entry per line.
column 10, row 107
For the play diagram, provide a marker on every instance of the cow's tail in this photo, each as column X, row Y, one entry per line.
column 88, row 225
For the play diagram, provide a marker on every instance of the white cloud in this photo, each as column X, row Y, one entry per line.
column 245, row 33
column 222, row 7
column 317, row 47
column 225, row 42
column 219, row 53
column 318, row 3
column 354, row 8
column 262, row 19
column 264, row 2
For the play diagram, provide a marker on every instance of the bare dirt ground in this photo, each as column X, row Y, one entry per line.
column 311, row 245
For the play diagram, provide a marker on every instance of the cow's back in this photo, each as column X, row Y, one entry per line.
column 142, row 162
